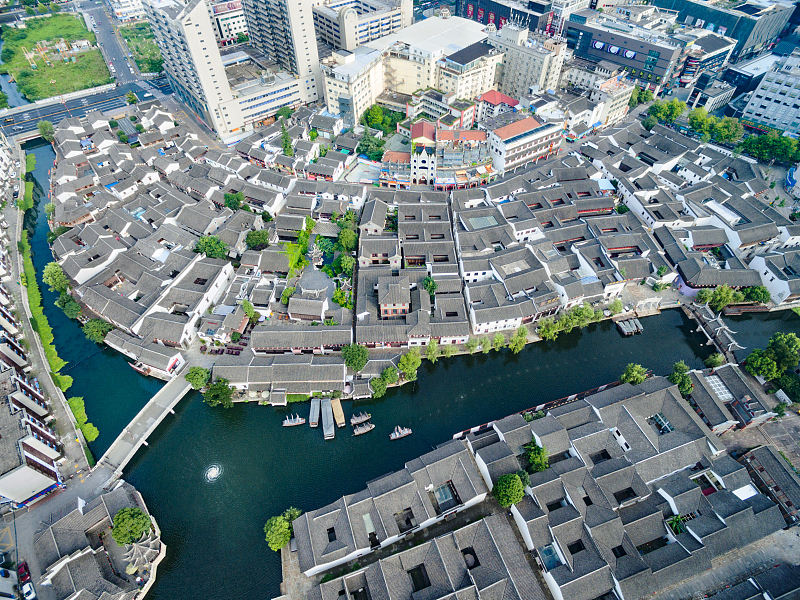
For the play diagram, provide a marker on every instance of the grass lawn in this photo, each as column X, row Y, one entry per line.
column 142, row 45
column 297, row 398
column 88, row 70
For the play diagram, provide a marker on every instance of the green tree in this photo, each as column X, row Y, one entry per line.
column 518, row 341
column 645, row 96
column 680, row 377
column 784, row 349
column 355, row 356
column 758, row 294
column 760, row 364
column 46, row 130
column 524, row 478
column 536, row 457
column 430, row 285
column 96, row 330
column 139, row 128
column 278, row 532
column 727, row 130
column 374, row 116
column 49, row 209
column 633, row 374
column 378, row 386
column 348, row 240
column 498, row 341
column 250, row 310
column 71, row 308
column 615, row 307
column 770, row 147
column 371, row 146
column 634, row 101
column 508, row 490
column 701, row 122
column 257, row 240
column 714, row 361
column 219, row 392
column 286, row 141
column 130, row 524
column 547, row 329
column 409, row 363
column 390, row 375
column 211, row 246
column 720, row 297
column 198, row 377
column 313, row 134
column 241, row 38
column 284, row 112
column 471, row 345
column 131, row 98
column 234, row 201
column 650, row 122
column 53, row 275
column 286, row 294
column 432, row 351
column 347, row 263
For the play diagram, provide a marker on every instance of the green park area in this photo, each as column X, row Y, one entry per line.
column 142, row 45
column 66, row 72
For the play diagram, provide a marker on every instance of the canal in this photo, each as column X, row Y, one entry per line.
column 213, row 525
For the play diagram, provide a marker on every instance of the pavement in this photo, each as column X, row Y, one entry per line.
column 783, row 433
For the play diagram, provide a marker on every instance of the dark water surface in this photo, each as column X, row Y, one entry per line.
column 214, row 527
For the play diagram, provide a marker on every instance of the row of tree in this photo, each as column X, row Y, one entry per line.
column 724, row 295
column 726, row 129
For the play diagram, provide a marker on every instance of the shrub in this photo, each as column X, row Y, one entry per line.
column 129, row 525
column 508, row 490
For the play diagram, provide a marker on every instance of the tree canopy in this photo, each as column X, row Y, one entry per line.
column 234, row 201
column 284, row 111
column 348, row 240
column 536, row 457
column 129, row 525
column 249, row 310
column 53, row 275
column 757, row 293
column 771, row 146
column 760, row 364
column 714, row 361
column 390, row 375
column 649, row 122
column 347, row 264
column 46, row 130
column 378, row 386
column 219, row 392
column 257, row 240
column 355, row 356
column 211, row 246
column 430, row 285
column 720, row 297
column 633, row 374
column 370, row 145
column 518, row 341
column 680, row 377
column 96, row 330
column 286, row 141
column 667, row 111
column 278, row 530
column 508, row 490
column 409, row 363
column 726, row 129
column 198, row 377
column 432, row 351
column 784, row 349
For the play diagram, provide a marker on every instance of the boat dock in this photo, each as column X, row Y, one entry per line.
column 313, row 417
column 338, row 413
column 629, row 326
column 328, row 428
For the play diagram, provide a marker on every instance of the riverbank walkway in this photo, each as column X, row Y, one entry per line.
column 135, row 434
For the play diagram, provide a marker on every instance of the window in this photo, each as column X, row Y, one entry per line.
column 331, row 534
column 576, row 547
column 619, row 551
column 551, row 506
column 599, row 457
column 446, row 497
column 419, row 578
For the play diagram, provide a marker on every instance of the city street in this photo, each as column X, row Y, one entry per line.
column 110, row 43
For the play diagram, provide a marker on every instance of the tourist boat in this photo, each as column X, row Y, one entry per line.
column 362, row 429
column 399, row 432
column 328, row 427
column 313, row 418
column 293, row 420
column 629, row 326
column 360, row 418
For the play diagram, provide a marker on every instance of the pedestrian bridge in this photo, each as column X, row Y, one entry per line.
column 135, row 434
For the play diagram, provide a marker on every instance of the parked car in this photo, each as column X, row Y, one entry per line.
column 16, row 194
column 23, row 572
column 18, row 128
column 16, row 188
column 28, row 592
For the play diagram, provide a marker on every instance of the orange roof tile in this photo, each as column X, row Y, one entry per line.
column 494, row 98
column 397, row 157
column 509, row 131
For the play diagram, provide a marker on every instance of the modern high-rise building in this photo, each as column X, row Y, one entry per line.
column 775, row 104
column 529, row 61
column 755, row 24
column 230, row 93
column 533, row 14
column 228, row 20
column 284, row 31
column 345, row 24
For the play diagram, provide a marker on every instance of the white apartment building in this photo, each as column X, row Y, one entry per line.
column 614, row 94
column 227, row 17
column 776, row 102
column 470, row 72
column 231, row 95
column 523, row 142
column 346, row 24
column 127, row 10
column 530, row 60
column 403, row 62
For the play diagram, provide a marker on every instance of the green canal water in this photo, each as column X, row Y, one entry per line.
column 213, row 526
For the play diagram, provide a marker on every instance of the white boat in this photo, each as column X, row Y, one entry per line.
column 362, row 429
column 293, row 420
column 360, row 418
column 314, row 416
column 399, row 432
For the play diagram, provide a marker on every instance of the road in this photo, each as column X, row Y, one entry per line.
column 114, row 52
